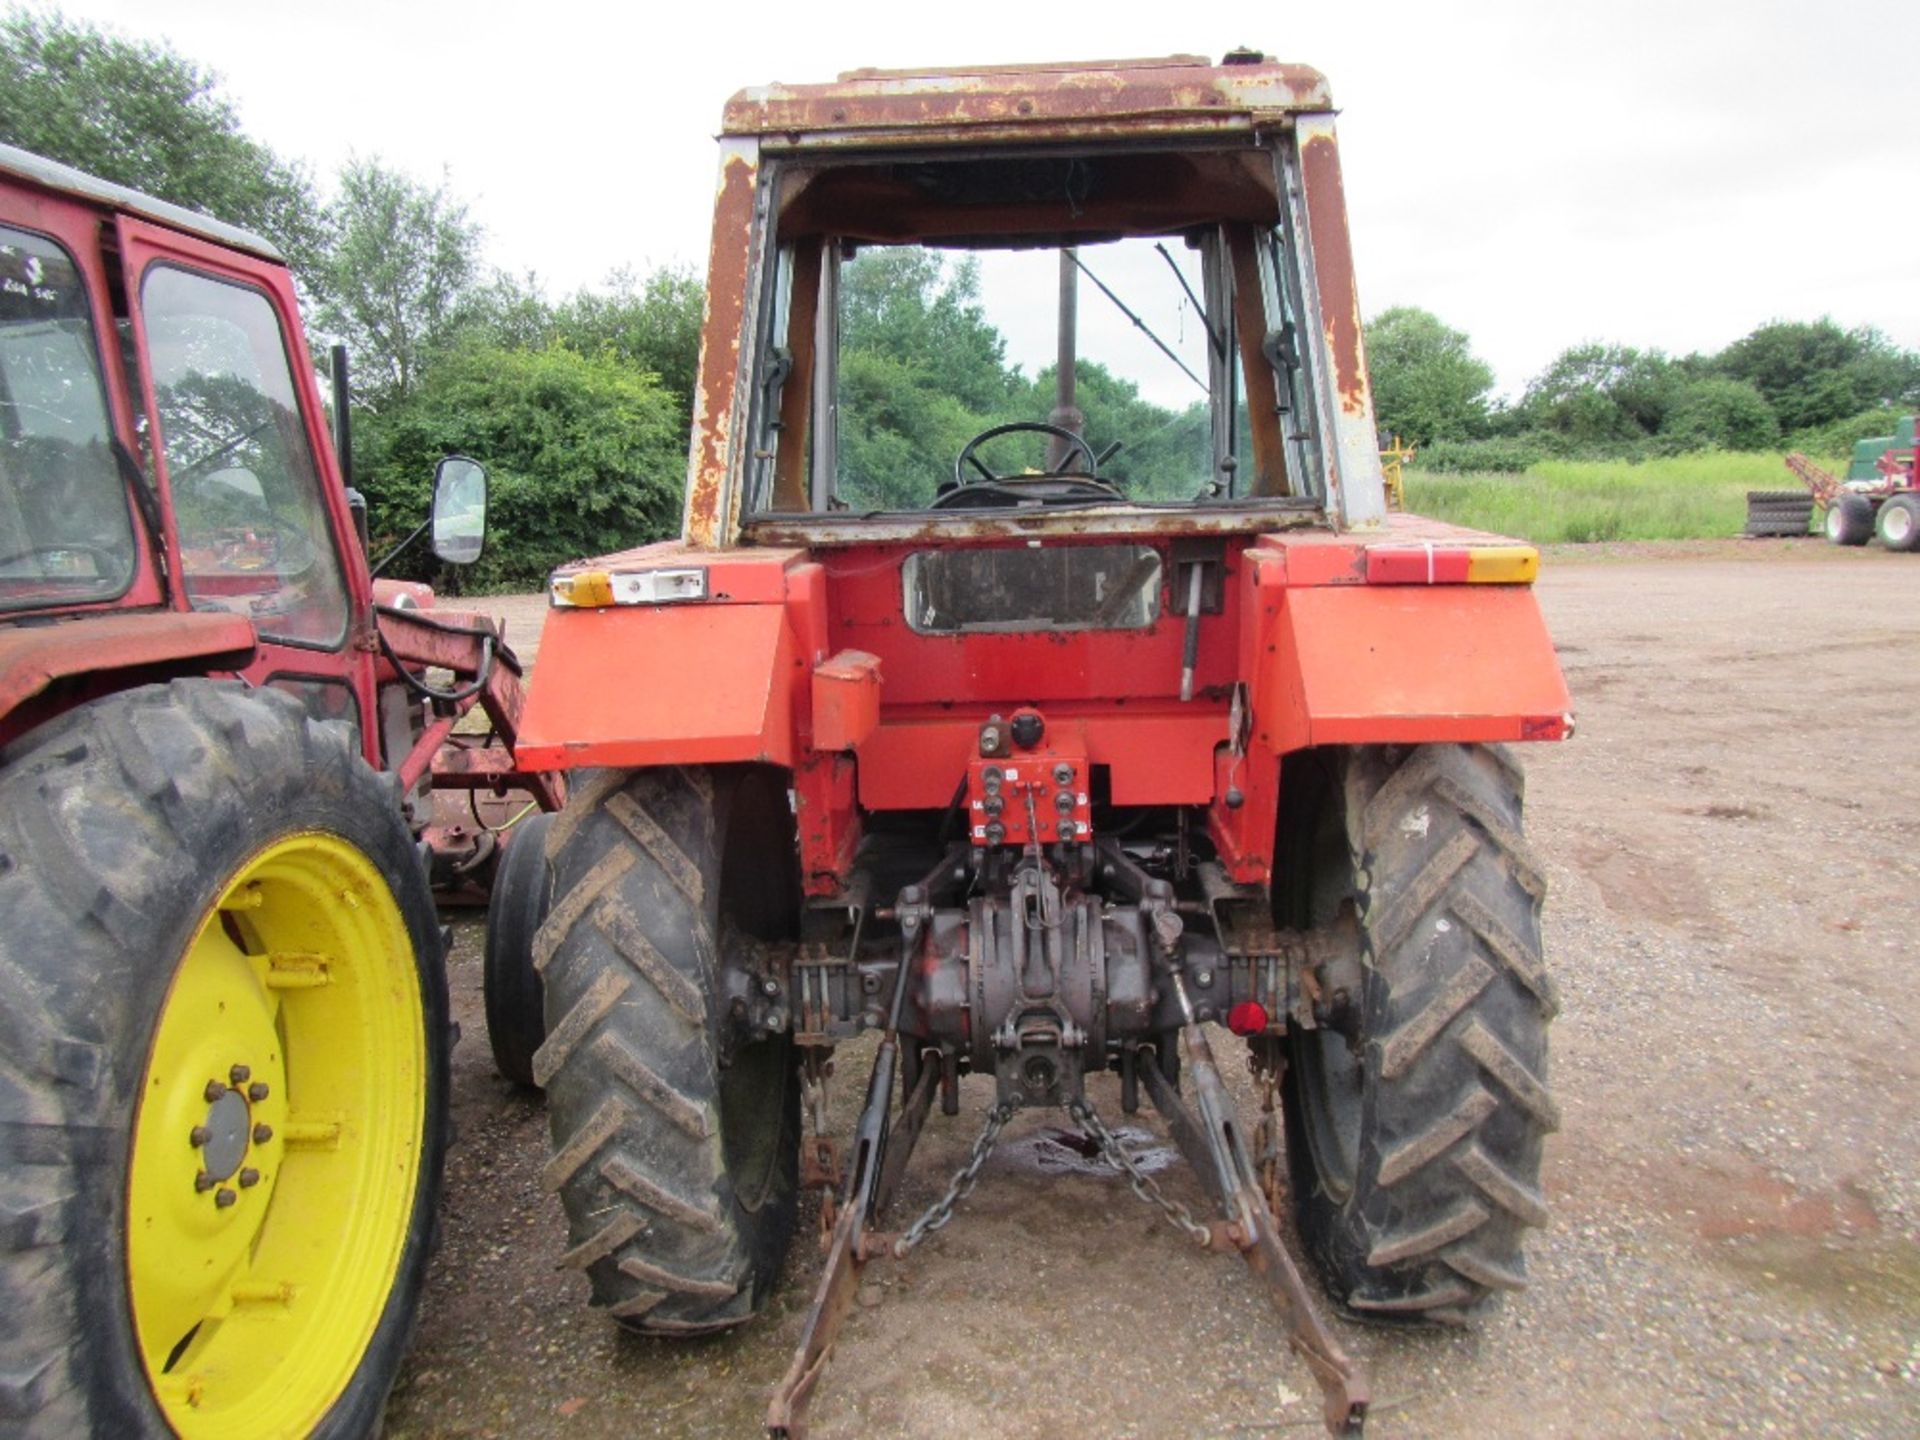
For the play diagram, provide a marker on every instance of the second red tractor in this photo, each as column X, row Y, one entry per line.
column 1036, row 758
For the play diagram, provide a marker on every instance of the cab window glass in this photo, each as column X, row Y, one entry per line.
column 66, row 534
column 253, row 534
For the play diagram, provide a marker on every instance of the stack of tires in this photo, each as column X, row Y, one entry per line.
column 1779, row 513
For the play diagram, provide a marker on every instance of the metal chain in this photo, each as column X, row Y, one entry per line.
column 813, row 1092
column 1142, row 1183
column 961, row 1186
column 1266, row 1139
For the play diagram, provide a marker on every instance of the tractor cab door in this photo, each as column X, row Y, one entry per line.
column 71, row 538
column 234, row 426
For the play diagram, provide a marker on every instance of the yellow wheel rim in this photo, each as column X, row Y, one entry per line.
column 277, row 1144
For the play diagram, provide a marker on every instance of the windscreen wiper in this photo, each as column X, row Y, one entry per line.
column 1139, row 324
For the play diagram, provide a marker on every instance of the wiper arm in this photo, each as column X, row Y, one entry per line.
column 1139, row 324
column 1214, row 336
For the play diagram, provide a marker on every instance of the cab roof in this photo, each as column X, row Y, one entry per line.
column 1170, row 95
column 52, row 175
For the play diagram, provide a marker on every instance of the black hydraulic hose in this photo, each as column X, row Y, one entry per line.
column 945, row 832
column 420, row 617
column 488, row 642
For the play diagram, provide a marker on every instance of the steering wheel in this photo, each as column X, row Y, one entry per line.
column 1057, row 432
column 992, row 490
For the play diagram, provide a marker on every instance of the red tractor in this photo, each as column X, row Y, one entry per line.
column 223, row 1013
column 1036, row 738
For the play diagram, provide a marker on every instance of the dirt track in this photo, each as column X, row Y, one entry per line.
column 1731, row 845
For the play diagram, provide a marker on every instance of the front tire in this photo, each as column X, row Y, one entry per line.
column 1850, row 520
column 223, row 1071
column 675, row 1149
column 1414, row 1137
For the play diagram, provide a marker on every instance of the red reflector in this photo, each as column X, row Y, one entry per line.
column 1247, row 1018
column 1416, row 565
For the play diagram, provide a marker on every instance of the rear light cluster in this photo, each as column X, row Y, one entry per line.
column 596, row 589
column 1429, row 564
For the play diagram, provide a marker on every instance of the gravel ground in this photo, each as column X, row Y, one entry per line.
column 1736, row 1243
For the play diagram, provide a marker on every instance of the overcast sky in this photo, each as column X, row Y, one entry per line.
column 1537, row 174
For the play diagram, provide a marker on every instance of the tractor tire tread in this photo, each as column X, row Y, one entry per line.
column 107, row 816
column 1453, row 1053
column 510, row 983
column 631, row 1066
column 1850, row 520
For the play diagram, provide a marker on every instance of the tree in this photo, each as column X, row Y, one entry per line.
column 1836, row 439
column 401, row 276
column 913, row 305
column 922, row 371
column 653, row 323
column 1427, row 383
column 1601, row 394
column 1813, row 373
column 1714, row 413
column 584, row 455
column 138, row 114
column 511, row 310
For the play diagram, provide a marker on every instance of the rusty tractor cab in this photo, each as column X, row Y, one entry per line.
column 223, row 1014
column 1035, row 750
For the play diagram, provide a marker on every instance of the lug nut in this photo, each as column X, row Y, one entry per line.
column 257, row 1091
column 223, row 1197
column 214, row 1091
column 199, row 1136
column 239, row 1075
column 202, row 1182
column 262, row 1134
column 249, row 1177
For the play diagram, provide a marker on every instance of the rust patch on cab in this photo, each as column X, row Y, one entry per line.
column 1333, row 264
column 729, row 262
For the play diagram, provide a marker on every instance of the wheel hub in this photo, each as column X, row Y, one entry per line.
column 229, row 1126
column 229, row 1133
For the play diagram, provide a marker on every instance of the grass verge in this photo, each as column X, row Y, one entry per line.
column 1683, row 497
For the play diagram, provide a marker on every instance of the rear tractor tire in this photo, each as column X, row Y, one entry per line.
column 1898, row 523
column 1414, row 1138
column 675, row 1149
column 1849, row 520
column 510, row 986
column 223, row 1072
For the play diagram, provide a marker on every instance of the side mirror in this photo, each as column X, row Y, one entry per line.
column 459, row 518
